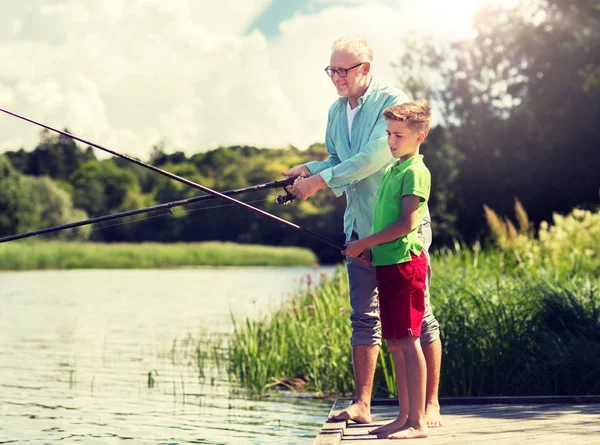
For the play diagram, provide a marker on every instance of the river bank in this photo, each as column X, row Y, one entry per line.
column 77, row 255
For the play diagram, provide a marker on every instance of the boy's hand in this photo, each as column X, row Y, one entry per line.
column 366, row 257
column 353, row 249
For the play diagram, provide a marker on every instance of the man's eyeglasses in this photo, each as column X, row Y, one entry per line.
column 342, row 72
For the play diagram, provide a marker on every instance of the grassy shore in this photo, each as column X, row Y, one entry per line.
column 523, row 320
column 74, row 255
column 503, row 333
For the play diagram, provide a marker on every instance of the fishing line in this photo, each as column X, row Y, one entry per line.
column 71, row 233
column 183, row 180
column 165, row 206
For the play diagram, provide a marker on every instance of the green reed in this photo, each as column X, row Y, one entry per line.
column 75, row 255
column 306, row 340
column 504, row 330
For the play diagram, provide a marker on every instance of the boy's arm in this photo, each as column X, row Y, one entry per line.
column 410, row 204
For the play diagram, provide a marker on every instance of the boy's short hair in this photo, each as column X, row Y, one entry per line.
column 416, row 114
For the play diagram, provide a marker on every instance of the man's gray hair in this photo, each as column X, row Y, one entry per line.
column 356, row 46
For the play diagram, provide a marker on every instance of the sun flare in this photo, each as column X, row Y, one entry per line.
column 458, row 14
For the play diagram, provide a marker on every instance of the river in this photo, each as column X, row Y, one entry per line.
column 106, row 357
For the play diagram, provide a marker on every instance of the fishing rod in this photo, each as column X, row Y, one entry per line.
column 281, row 199
column 183, row 180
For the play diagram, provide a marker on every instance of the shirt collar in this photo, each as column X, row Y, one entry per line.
column 410, row 161
column 370, row 89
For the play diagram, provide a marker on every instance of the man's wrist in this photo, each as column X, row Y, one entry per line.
column 319, row 180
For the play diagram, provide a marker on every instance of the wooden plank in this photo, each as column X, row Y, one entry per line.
column 332, row 431
column 503, row 400
column 493, row 424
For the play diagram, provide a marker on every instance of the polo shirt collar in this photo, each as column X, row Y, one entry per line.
column 410, row 161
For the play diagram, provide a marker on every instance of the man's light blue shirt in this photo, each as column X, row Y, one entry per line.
column 355, row 165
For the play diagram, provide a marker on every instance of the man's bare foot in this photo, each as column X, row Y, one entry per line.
column 410, row 431
column 433, row 416
column 357, row 412
column 385, row 429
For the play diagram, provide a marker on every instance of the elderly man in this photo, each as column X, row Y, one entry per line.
column 358, row 152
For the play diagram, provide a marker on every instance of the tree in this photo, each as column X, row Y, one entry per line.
column 56, row 208
column 56, row 156
column 520, row 102
column 19, row 205
column 102, row 187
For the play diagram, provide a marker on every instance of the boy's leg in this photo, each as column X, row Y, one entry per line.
column 366, row 338
column 415, row 368
column 402, row 389
column 402, row 306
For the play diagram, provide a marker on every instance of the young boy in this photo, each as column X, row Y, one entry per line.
column 401, row 263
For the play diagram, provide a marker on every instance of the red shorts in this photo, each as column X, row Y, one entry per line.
column 402, row 297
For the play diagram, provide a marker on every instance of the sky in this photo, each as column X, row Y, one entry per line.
column 193, row 75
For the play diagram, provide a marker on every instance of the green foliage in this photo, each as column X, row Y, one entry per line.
column 56, row 156
column 165, row 189
column 504, row 330
column 19, row 205
column 114, row 185
column 520, row 103
column 103, row 187
column 565, row 247
column 56, row 208
column 306, row 340
column 443, row 159
column 76, row 255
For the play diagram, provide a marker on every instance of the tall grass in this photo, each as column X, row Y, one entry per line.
column 510, row 325
column 306, row 340
column 75, row 255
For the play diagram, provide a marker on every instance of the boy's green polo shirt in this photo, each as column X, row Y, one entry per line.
column 410, row 177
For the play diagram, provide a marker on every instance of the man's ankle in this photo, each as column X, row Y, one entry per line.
column 363, row 403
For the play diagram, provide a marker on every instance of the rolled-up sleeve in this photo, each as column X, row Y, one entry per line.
column 333, row 160
column 372, row 157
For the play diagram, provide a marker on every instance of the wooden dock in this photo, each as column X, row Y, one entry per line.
column 490, row 421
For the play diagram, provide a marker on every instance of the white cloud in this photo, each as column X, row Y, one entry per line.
column 130, row 74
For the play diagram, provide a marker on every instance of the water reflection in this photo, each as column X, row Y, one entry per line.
column 100, row 357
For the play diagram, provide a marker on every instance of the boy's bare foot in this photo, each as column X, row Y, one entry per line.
column 385, row 429
column 410, row 431
column 433, row 416
column 357, row 412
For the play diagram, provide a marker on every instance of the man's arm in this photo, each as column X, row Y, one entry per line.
column 371, row 157
column 338, row 175
column 304, row 188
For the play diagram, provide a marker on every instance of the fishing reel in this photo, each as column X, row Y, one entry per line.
column 288, row 197
column 285, row 199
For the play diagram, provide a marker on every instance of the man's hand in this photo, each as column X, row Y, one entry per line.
column 304, row 188
column 300, row 170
